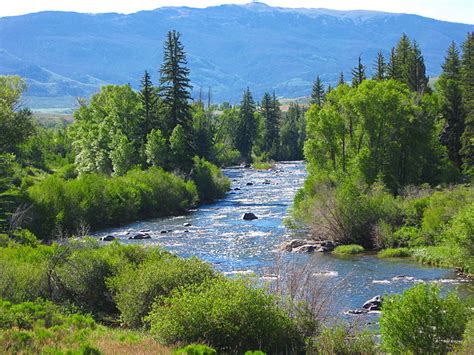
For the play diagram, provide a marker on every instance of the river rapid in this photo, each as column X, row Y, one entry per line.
column 218, row 234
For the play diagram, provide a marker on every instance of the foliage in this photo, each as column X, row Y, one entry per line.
column 339, row 339
column 421, row 321
column 137, row 286
column 394, row 253
column 228, row 314
column 210, row 182
column 16, row 123
column 349, row 249
column 195, row 349
column 101, row 201
column 247, row 126
column 156, row 149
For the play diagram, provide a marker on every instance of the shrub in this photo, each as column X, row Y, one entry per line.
column 422, row 322
column 136, row 287
column 195, row 349
column 210, row 182
column 227, row 314
column 407, row 237
column 348, row 249
column 467, row 345
column 394, row 253
column 461, row 229
column 338, row 339
column 100, row 201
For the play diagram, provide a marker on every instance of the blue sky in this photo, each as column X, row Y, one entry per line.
column 448, row 10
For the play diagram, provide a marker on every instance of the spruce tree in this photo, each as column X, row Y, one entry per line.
column 358, row 74
column 392, row 67
column 467, row 87
column 175, row 87
column 270, row 110
column 317, row 95
column 148, row 100
column 403, row 52
column 417, row 80
column 452, row 111
column 341, row 79
column 247, row 127
column 380, row 67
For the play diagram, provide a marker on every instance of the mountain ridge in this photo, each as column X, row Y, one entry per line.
column 229, row 47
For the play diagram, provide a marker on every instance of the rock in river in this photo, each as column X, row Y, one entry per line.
column 250, row 216
column 107, row 238
column 139, row 236
column 187, row 224
column 374, row 304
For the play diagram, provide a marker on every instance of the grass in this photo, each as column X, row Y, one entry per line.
column 262, row 165
column 445, row 256
column 395, row 253
column 348, row 249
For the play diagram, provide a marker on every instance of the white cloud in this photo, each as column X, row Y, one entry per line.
column 449, row 10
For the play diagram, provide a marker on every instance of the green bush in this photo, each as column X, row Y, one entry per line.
column 99, row 201
column 422, row 322
column 210, row 182
column 348, row 249
column 407, row 237
column 195, row 349
column 395, row 253
column 228, row 314
column 340, row 340
column 460, row 230
column 137, row 286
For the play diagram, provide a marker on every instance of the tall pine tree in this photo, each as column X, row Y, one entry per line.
column 247, row 127
column 380, row 67
column 467, row 87
column 341, row 79
column 270, row 111
column 452, row 105
column 175, row 86
column 417, row 80
column 358, row 74
column 317, row 95
column 148, row 100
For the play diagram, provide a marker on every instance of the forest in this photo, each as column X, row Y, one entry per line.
column 390, row 167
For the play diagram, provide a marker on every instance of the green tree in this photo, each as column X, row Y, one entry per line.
column 149, row 101
column 417, row 80
column 380, row 67
column 292, row 133
column 175, row 86
column 358, row 73
column 156, row 149
column 247, row 127
column 122, row 154
column 452, row 111
column 317, row 95
column 180, row 151
column 16, row 123
column 467, row 88
column 341, row 79
column 392, row 66
column 203, row 132
column 270, row 109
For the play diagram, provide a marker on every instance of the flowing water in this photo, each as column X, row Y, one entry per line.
column 218, row 234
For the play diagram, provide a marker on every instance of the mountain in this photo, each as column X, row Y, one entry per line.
column 229, row 47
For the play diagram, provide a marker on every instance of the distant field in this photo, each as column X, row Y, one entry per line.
column 51, row 105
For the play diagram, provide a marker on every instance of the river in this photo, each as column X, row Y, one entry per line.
column 218, row 234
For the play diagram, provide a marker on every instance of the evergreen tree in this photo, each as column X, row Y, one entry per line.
column 317, row 95
column 467, row 87
column 203, row 132
column 358, row 74
column 380, row 67
column 392, row 67
column 417, row 80
column 403, row 53
column 341, row 79
column 175, row 86
column 452, row 105
column 328, row 90
column 247, row 126
column 270, row 110
column 290, row 134
column 148, row 99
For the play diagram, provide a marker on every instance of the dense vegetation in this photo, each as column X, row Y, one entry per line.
column 389, row 164
column 390, row 160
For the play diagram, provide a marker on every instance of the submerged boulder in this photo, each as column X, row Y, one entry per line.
column 139, row 236
column 374, row 304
